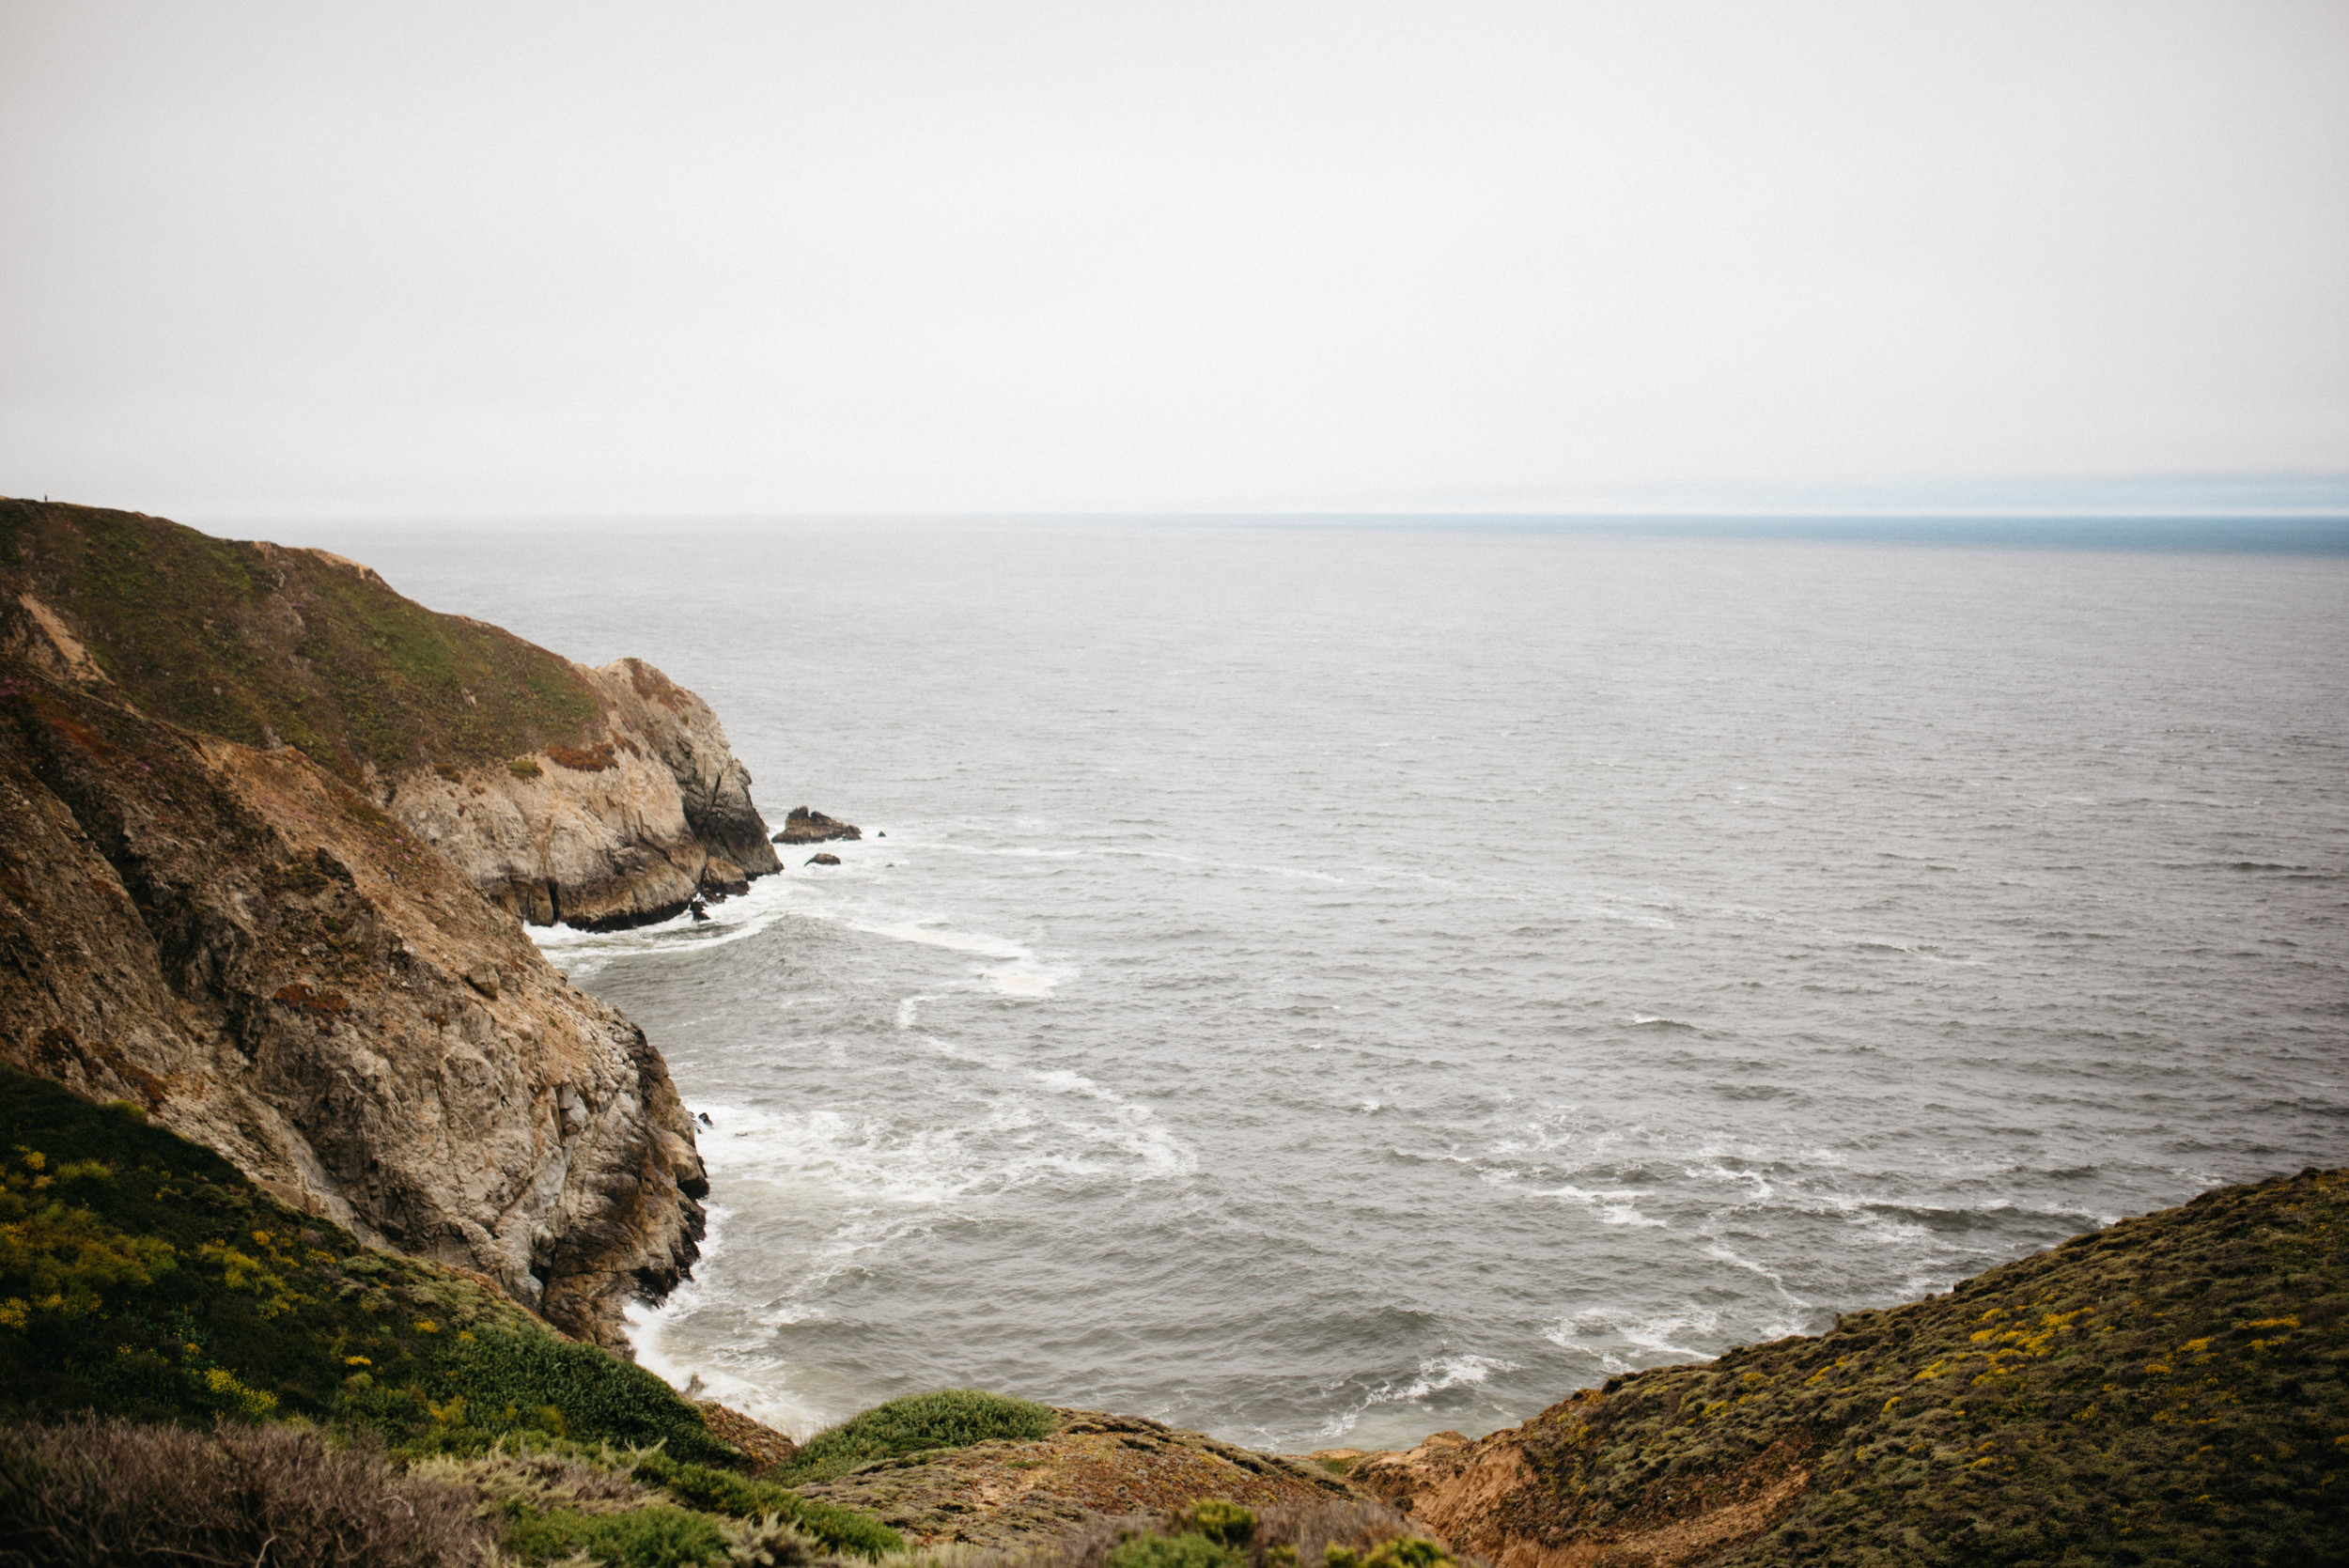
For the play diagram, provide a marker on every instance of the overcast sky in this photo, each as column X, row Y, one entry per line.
column 406, row 259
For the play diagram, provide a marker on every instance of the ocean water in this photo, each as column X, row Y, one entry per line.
column 1325, row 985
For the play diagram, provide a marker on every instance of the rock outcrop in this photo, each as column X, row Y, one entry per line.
column 628, row 831
column 804, row 825
column 597, row 797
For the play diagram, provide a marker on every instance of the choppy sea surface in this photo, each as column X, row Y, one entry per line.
column 1325, row 984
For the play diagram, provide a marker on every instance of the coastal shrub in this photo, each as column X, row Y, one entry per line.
column 1185, row 1550
column 143, row 1276
column 655, row 1537
column 1227, row 1524
column 1404, row 1551
column 2165, row 1390
column 948, row 1419
column 508, row 1380
column 185, row 627
column 719, row 1491
column 89, row 1494
column 510, row 1476
column 1276, row 1536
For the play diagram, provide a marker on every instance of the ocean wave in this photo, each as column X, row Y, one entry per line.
column 1439, row 1372
column 1623, row 1342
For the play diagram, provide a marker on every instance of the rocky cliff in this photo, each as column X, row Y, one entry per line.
column 258, row 815
column 595, row 798
column 628, row 830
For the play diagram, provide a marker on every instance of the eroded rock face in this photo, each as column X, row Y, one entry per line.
column 246, row 945
column 625, row 832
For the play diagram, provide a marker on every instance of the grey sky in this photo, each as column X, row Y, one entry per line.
column 263, row 260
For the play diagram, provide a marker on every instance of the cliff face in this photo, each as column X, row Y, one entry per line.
column 598, row 797
column 258, row 815
column 628, row 830
column 2166, row 1390
column 241, row 943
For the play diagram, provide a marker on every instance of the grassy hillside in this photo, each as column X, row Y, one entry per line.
column 247, row 641
column 2166, row 1392
column 141, row 1276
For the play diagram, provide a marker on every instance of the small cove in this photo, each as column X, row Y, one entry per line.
column 1328, row 985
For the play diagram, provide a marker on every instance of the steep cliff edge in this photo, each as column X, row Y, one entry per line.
column 628, row 830
column 597, row 797
column 258, row 817
column 2168, row 1390
column 241, row 943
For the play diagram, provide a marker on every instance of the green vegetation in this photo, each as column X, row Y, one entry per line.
column 248, row 642
column 1183, row 1550
column 652, row 1537
column 1226, row 1524
column 141, row 1276
column 1222, row 1534
column 949, row 1419
column 719, row 1491
column 2164, row 1391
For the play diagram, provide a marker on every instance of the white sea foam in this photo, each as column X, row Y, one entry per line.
column 1620, row 1208
column 1439, row 1372
column 1626, row 1341
column 1253, row 867
column 734, row 1372
column 963, row 1147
